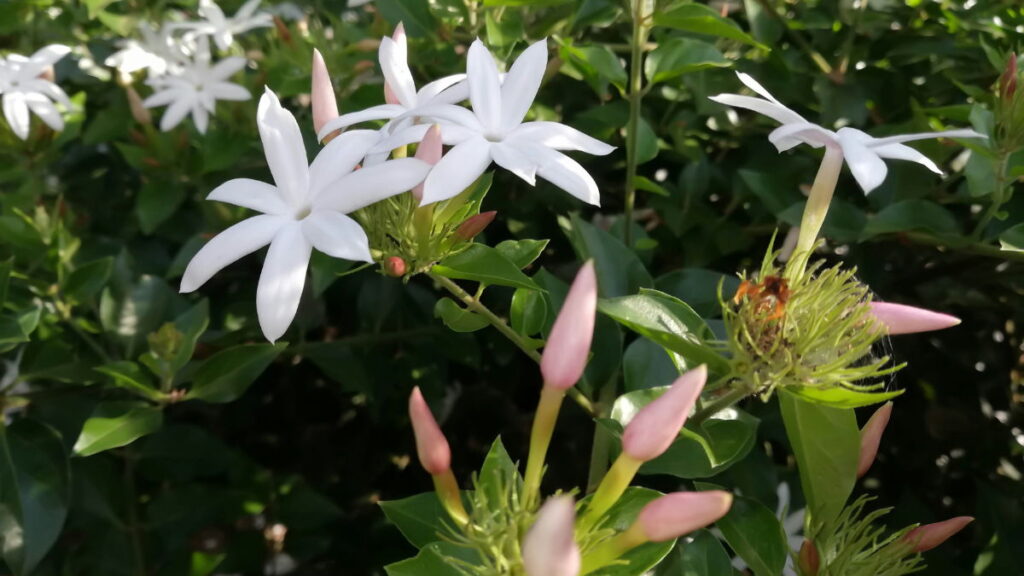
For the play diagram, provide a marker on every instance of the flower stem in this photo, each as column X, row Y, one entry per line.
column 477, row 306
column 540, row 439
column 817, row 206
column 635, row 97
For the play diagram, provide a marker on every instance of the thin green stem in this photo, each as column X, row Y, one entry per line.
column 635, row 97
column 716, row 406
column 494, row 320
column 600, row 452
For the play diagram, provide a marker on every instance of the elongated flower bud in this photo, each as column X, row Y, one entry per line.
column 429, row 151
column 657, row 425
column 871, row 436
column 549, row 548
column 679, row 513
column 138, row 110
column 901, row 319
column 568, row 346
column 930, row 536
column 325, row 106
column 475, row 225
column 1008, row 80
column 809, row 560
column 431, row 445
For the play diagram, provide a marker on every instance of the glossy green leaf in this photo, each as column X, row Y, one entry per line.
column 431, row 561
column 87, row 280
column 840, row 397
column 680, row 56
column 420, row 518
column 701, row 19
column 522, row 253
column 458, row 318
column 116, row 424
column 619, row 270
column 754, row 533
column 130, row 376
column 912, row 215
column 228, row 374
column 484, row 264
column 528, row 312
column 699, row 554
column 698, row 287
column 620, row 517
column 647, row 365
column 1012, row 239
column 826, row 444
column 157, row 201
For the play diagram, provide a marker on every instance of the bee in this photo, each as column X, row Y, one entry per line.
column 769, row 295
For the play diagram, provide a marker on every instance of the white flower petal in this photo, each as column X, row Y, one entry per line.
column 559, row 137
column 381, row 112
column 16, row 112
column 459, row 168
column 372, row 184
column 904, row 152
column 448, row 90
column 49, row 55
column 162, row 98
column 510, row 158
column 252, row 194
column 442, row 113
column 868, row 169
column 963, row 133
column 451, row 135
column 284, row 149
column 484, row 86
column 176, row 112
column 239, row 240
column 45, row 110
column 227, row 67
column 201, row 118
column 776, row 112
column 281, row 281
column 521, row 84
column 337, row 235
column 224, row 39
column 756, row 86
column 789, row 135
column 338, row 158
column 394, row 63
column 247, row 10
column 228, row 91
column 568, row 175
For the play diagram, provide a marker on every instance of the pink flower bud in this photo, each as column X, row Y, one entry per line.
column 1008, row 80
column 399, row 33
column 475, row 225
column 657, row 425
column 809, row 560
column 568, row 346
column 930, row 536
column 429, row 151
column 431, row 445
column 549, row 548
column 900, row 319
column 871, row 436
column 389, row 94
column 679, row 513
column 325, row 106
column 394, row 267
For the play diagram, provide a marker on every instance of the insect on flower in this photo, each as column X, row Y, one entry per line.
column 771, row 294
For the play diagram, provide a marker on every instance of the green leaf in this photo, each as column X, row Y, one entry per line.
column 699, row 554
column 1012, row 239
column 826, row 444
column 698, row 287
column 701, row 19
column 130, row 376
column 88, row 280
column 414, row 14
column 458, row 318
column 647, row 365
column 912, row 215
column 680, row 56
column 431, row 561
column 528, row 312
column 498, row 469
column 116, row 424
column 667, row 321
column 619, row 518
column 5, row 279
column 227, row 374
column 530, row 3
column 35, row 493
column 192, row 324
column 420, row 518
column 484, row 264
column 754, row 533
column 522, row 253
column 158, row 200
column 839, row 397
column 619, row 269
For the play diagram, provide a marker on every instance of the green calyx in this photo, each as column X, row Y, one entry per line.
column 856, row 545
column 811, row 333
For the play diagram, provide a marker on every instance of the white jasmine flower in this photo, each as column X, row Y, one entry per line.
column 24, row 90
column 306, row 209
column 863, row 152
column 494, row 131
column 222, row 28
column 157, row 52
column 195, row 89
column 403, row 100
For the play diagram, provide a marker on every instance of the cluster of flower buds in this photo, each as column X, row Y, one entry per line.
column 551, row 546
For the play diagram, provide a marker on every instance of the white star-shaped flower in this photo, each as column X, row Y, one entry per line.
column 494, row 131
column 863, row 152
column 222, row 28
column 195, row 89
column 24, row 90
column 157, row 52
column 306, row 209
column 403, row 100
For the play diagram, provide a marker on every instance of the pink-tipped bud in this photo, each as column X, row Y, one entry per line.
column 549, row 548
column 139, row 111
column 325, row 106
column 394, row 266
column 429, row 151
column 657, row 425
column 930, row 536
column 399, row 33
column 431, row 445
column 474, row 225
column 568, row 346
column 871, row 437
column 389, row 94
column 1008, row 81
column 900, row 319
column 809, row 560
column 679, row 513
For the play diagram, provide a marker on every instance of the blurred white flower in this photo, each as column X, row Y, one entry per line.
column 24, row 89
column 195, row 89
column 494, row 131
column 305, row 210
column 403, row 100
column 157, row 52
column 863, row 152
column 222, row 28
